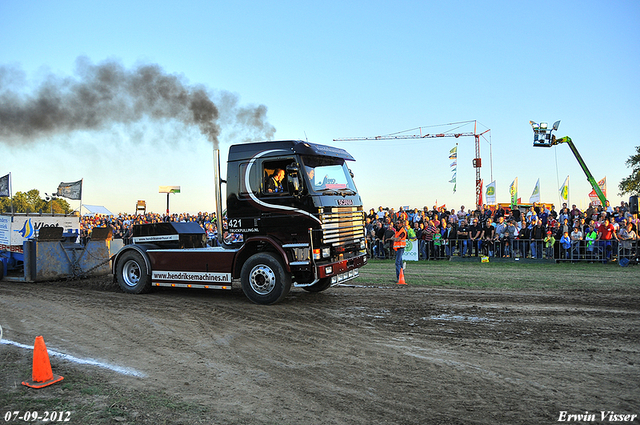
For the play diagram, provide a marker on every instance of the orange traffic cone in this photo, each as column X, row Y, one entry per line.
column 42, row 375
column 401, row 279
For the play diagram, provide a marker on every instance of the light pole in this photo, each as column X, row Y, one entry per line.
column 169, row 190
column 50, row 199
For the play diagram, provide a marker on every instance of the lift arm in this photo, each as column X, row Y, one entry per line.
column 594, row 183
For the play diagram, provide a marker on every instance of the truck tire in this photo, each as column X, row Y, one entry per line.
column 264, row 279
column 132, row 274
column 319, row 286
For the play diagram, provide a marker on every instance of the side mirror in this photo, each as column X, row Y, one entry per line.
column 293, row 177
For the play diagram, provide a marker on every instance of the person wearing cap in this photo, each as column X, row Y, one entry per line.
column 549, row 242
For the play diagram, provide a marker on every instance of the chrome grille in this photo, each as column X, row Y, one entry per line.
column 342, row 225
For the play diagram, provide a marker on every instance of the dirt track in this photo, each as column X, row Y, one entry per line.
column 350, row 355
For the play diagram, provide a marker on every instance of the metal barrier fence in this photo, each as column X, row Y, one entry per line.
column 577, row 251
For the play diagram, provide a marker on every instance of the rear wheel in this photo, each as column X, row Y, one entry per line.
column 319, row 286
column 264, row 280
column 132, row 273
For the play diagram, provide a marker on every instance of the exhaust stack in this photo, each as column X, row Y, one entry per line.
column 218, row 192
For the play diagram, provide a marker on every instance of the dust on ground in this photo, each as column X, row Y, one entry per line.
column 349, row 355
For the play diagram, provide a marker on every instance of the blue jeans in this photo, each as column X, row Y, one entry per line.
column 536, row 248
column 462, row 247
column 399, row 254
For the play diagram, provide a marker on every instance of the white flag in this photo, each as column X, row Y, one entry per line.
column 535, row 196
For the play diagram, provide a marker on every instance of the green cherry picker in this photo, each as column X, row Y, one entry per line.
column 542, row 137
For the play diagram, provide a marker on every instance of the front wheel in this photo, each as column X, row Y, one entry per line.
column 319, row 286
column 132, row 273
column 264, row 280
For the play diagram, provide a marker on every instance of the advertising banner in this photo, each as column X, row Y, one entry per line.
column 491, row 193
column 17, row 229
column 603, row 187
column 411, row 251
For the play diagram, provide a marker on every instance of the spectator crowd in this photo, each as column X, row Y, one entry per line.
column 596, row 234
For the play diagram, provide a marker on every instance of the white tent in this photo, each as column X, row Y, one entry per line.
column 92, row 210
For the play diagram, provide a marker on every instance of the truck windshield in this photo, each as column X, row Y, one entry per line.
column 328, row 175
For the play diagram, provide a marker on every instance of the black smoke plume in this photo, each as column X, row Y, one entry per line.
column 104, row 94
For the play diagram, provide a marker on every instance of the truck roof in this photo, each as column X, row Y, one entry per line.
column 249, row 150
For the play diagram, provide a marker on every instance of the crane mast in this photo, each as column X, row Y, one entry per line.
column 477, row 161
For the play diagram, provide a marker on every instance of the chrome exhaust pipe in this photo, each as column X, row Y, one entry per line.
column 218, row 193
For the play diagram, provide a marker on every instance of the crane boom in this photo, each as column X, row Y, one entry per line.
column 583, row 165
column 404, row 136
column 477, row 161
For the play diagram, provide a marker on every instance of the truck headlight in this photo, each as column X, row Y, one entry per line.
column 326, row 252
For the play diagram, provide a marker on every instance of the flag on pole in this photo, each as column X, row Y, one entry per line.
column 603, row 187
column 453, row 154
column 564, row 190
column 513, row 191
column 4, row 186
column 71, row 190
column 491, row 193
column 535, row 196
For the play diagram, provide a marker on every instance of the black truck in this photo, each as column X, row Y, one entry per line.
column 294, row 217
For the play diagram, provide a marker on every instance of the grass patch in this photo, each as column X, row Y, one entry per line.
column 503, row 275
column 88, row 398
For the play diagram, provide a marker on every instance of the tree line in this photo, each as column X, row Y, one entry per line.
column 31, row 202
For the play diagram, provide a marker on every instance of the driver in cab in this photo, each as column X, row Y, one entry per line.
column 274, row 184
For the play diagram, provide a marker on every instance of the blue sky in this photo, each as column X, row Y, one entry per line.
column 334, row 69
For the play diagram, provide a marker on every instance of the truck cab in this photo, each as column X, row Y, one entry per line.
column 315, row 221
